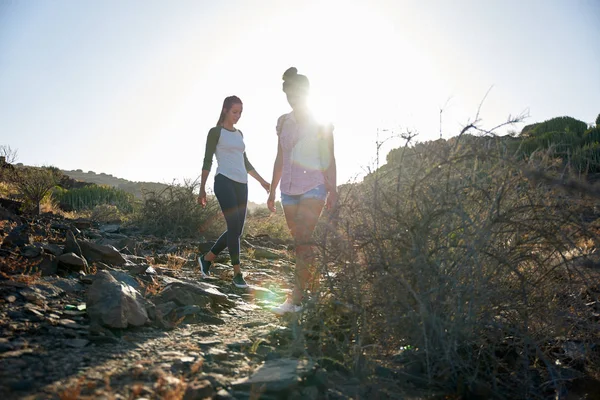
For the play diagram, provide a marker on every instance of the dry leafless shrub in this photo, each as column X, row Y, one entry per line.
column 8, row 155
column 106, row 213
column 457, row 269
column 263, row 222
column 34, row 183
column 175, row 212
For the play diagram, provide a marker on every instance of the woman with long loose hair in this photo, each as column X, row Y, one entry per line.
column 231, row 185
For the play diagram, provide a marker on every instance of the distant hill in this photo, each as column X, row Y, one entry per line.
column 135, row 188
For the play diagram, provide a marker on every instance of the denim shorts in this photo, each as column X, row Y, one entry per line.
column 319, row 193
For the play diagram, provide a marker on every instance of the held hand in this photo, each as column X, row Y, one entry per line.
column 202, row 198
column 266, row 185
column 271, row 203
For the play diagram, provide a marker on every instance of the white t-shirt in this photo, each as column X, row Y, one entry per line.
column 230, row 156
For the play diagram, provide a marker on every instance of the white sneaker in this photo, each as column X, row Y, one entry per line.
column 287, row 307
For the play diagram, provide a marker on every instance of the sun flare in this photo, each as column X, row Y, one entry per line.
column 323, row 109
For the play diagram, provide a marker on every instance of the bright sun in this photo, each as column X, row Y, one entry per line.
column 323, row 108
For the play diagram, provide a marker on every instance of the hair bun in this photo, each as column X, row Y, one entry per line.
column 290, row 73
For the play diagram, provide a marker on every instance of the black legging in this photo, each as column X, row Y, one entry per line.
column 233, row 199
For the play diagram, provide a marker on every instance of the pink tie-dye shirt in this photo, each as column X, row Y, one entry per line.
column 305, row 156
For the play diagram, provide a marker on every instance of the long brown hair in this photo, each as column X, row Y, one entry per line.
column 227, row 104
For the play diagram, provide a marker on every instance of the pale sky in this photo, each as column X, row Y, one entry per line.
column 131, row 87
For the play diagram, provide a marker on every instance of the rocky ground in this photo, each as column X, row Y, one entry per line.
column 96, row 311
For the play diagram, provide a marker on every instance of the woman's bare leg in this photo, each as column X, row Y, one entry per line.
column 307, row 216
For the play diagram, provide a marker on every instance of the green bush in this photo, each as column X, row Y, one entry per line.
column 569, row 139
column 559, row 124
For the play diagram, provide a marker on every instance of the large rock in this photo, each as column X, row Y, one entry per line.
column 111, row 228
column 68, row 285
column 82, row 223
column 129, row 245
column 49, row 290
column 125, row 278
column 93, row 252
column 7, row 215
column 115, row 304
column 31, row 250
column 262, row 252
column 73, row 262
column 72, row 245
column 195, row 314
column 276, row 375
column 18, row 237
column 47, row 266
column 13, row 206
column 102, row 253
column 51, row 248
column 125, row 245
column 190, row 294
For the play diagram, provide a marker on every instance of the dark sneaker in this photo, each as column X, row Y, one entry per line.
column 238, row 281
column 204, row 267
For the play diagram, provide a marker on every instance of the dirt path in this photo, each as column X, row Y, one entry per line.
column 50, row 351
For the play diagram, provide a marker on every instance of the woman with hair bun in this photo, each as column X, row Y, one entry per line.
column 306, row 169
column 231, row 185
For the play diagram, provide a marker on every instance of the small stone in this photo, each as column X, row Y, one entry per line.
column 218, row 354
column 35, row 312
column 17, row 353
column 216, row 379
column 21, row 385
column 261, row 252
column 209, row 342
column 169, row 380
column 70, row 333
column 264, row 350
column 239, row 345
column 112, row 228
column 68, row 323
column 52, row 249
column 20, row 343
column 310, row 393
column 31, row 251
column 77, row 343
column 11, row 298
column 223, row 395
column 199, row 390
column 254, row 324
column 171, row 354
column 32, row 296
column 5, row 345
column 86, row 279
